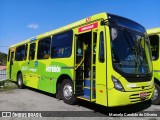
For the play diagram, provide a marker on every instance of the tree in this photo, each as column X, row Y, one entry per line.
column 3, row 58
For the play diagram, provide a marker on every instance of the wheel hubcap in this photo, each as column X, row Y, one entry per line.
column 19, row 81
column 67, row 91
column 155, row 94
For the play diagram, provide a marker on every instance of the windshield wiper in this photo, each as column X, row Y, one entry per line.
column 136, row 49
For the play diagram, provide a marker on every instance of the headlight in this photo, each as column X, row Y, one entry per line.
column 117, row 84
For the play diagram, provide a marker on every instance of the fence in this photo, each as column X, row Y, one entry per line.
column 3, row 75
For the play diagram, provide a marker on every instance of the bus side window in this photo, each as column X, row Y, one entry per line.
column 154, row 41
column 101, row 48
column 20, row 53
column 8, row 55
column 32, row 51
column 62, row 45
column 44, row 48
column 26, row 49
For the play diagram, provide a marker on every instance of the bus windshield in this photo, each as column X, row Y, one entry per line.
column 130, row 51
column 131, row 54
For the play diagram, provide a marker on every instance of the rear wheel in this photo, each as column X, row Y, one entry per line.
column 67, row 92
column 20, row 81
column 156, row 96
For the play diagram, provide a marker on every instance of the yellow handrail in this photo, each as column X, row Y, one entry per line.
column 79, row 63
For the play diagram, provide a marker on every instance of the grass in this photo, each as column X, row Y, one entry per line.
column 7, row 85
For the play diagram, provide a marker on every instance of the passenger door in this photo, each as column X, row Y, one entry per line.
column 32, row 79
column 11, row 64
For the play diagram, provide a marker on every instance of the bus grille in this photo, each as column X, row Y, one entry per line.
column 134, row 98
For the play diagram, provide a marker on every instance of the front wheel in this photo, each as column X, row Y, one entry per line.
column 68, row 92
column 20, row 81
column 156, row 95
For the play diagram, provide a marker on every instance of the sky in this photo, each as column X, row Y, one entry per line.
column 23, row 19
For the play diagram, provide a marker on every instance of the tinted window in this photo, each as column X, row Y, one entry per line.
column 130, row 52
column 44, row 48
column 62, row 45
column 12, row 58
column 124, row 22
column 32, row 51
column 26, row 49
column 101, row 48
column 9, row 55
column 21, row 53
column 154, row 41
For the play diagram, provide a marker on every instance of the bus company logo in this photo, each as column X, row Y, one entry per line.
column 53, row 69
column 24, row 68
column 88, row 27
column 88, row 19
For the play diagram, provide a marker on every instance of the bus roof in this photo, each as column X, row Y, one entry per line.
column 153, row 31
column 65, row 28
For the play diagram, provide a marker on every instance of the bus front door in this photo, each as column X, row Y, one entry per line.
column 85, row 65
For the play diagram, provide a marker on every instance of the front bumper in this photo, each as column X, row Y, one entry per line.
column 118, row 98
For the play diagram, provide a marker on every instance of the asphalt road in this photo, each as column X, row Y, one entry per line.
column 21, row 100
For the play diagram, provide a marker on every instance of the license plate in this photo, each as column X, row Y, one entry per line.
column 143, row 95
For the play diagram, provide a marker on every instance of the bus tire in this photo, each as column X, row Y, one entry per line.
column 67, row 91
column 20, row 81
column 156, row 96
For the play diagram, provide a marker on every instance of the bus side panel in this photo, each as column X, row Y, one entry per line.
column 15, row 68
column 156, row 71
column 50, row 73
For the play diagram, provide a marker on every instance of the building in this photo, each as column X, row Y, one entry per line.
column 2, row 68
column 2, row 73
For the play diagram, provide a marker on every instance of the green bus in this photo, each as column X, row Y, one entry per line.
column 154, row 36
column 103, row 58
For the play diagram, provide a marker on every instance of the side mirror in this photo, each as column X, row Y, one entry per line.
column 114, row 33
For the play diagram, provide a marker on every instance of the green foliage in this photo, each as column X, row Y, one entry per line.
column 3, row 58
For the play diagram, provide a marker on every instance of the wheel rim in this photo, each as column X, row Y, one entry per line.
column 155, row 94
column 67, row 91
column 19, row 81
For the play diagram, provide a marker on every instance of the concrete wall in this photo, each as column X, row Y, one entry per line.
column 3, row 75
